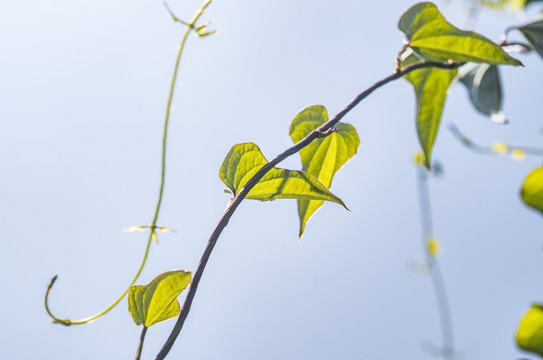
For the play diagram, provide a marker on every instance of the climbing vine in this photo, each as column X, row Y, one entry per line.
column 434, row 55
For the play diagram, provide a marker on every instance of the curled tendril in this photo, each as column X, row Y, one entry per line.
column 200, row 30
column 67, row 322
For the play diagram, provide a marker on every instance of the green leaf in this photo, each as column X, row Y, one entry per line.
column 431, row 86
column 430, row 34
column 532, row 189
column 244, row 160
column 533, row 32
column 528, row 2
column 485, row 90
column 323, row 157
column 530, row 331
column 157, row 301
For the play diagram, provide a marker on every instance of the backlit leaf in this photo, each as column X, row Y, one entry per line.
column 533, row 32
column 484, row 87
column 530, row 331
column 244, row 160
column 532, row 189
column 323, row 157
column 157, row 301
column 431, row 85
column 430, row 34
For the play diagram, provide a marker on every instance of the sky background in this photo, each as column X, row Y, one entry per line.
column 83, row 91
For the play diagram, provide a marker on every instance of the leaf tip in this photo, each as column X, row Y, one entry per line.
column 427, row 165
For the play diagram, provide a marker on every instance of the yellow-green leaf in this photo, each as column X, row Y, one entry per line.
column 530, row 331
column 430, row 34
column 244, row 160
column 323, row 157
column 532, row 189
column 431, row 85
column 157, row 301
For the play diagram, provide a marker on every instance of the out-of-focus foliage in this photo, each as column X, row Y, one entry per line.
column 532, row 189
column 530, row 331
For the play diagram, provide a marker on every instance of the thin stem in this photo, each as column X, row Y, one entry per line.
column 438, row 283
column 489, row 150
column 517, row 47
column 317, row 133
column 140, row 343
column 503, row 40
column 152, row 234
column 67, row 322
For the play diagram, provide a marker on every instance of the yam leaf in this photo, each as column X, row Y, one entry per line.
column 532, row 189
column 533, row 32
column 244, row 160
column 484, row 87
column 323, row 157
column 157, row 301
column 431, row 85
column 530, row 331
column 430, row 34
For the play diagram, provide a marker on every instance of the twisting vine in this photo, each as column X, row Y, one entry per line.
column 200, row 30
column 434, row 47
column 323, row 131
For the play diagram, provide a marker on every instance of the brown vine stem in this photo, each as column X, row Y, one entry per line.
column 320, row 132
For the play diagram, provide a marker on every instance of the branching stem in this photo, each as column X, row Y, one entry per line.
column 152, row 235
column 317, row 133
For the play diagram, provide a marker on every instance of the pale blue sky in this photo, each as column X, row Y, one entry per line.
column 84, row 90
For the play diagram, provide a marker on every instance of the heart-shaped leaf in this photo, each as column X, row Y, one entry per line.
column 157, row 301
column 431, row 85
column 430, row 34
column 484, row 87
column 533, row 32
column 323, row 157
column 244, row 160
column 532, row 189
column 530, row 331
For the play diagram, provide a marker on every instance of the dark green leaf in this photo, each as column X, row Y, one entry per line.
column 244, row 160
column 430, row 34
column 323, row 157
column 528, row 2
column 431, row 87
column 533, row 32
column 157, row 301
column 484, row 87
column 532, row 189
column 530, row 331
